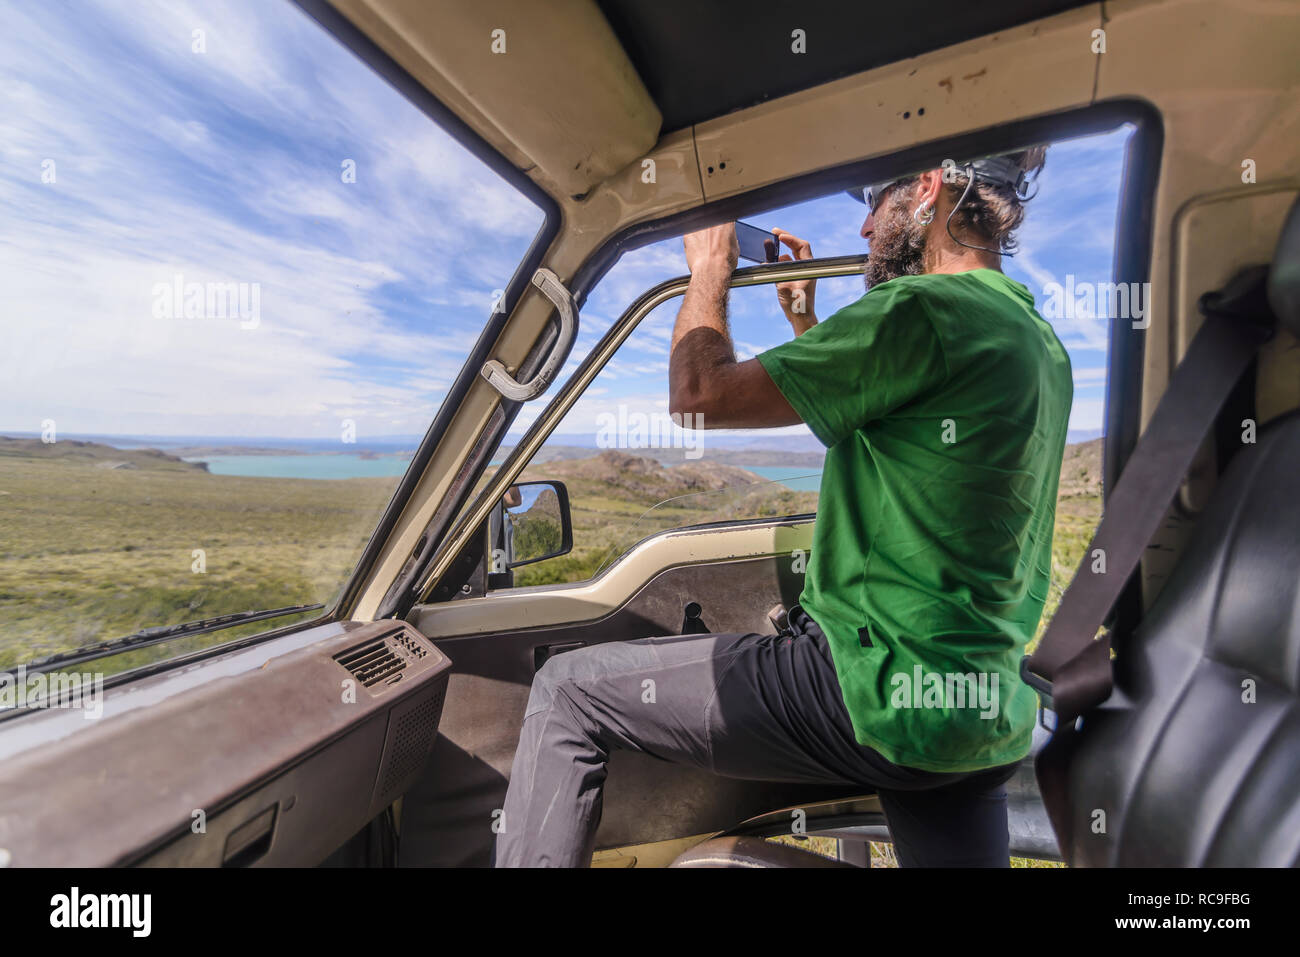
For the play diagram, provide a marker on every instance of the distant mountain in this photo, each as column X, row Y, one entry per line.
column 759, row 457
column 189, row 445
column 758, row 450
column 641, row 477
column 95, row 454
column 759, row 439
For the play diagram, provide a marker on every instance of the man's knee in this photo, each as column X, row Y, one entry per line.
column 556, row 674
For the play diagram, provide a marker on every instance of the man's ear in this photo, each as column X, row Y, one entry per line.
column 928, row 187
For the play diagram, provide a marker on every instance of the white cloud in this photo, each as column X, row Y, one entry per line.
column 225, row 167
column 1085, row 378
column 1087, row 414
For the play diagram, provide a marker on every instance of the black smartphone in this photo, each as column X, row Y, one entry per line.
column 757, row 245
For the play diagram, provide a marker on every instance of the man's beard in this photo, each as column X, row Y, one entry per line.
column 897, row 245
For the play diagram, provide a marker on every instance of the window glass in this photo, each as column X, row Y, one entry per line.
column 631, row 474
column 240, row 272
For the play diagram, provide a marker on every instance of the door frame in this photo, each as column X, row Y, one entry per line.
column 424, row 577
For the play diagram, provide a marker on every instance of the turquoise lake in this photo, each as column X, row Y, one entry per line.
column 354, row 466
column 800, row 479
column 304, row 466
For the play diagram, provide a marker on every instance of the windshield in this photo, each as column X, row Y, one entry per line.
column 240, row 273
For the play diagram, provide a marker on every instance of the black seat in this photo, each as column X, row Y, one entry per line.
column 1196, row 760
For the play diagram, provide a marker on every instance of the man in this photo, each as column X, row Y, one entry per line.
column 943, row 399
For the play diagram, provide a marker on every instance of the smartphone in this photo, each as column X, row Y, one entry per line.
column 757, row 245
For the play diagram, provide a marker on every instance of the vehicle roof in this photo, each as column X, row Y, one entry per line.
column 702, row 60
column 572, row 91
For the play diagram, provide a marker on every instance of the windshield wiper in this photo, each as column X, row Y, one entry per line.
column 159, row 633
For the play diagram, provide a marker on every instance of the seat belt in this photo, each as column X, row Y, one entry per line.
column 1071, row 665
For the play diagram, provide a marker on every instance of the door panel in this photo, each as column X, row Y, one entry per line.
column 621, row 585
column 447, row 815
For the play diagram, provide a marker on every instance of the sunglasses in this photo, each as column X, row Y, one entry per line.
column 874, row 194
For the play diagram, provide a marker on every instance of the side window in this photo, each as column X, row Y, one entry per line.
column 631, row 472
column 239, row 279
column 630, row 469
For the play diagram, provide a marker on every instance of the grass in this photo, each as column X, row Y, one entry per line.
column 89, row 553
column 97, row 542
column 610, row 517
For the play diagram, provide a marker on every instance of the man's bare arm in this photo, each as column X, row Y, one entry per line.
column 704, row 378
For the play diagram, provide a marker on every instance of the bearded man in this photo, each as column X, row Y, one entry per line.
column 942, row 398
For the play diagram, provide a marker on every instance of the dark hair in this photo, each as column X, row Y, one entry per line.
column 995, row 212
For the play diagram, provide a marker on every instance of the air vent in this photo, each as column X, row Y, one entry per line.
column 414, row 648
column 379, row 662
column 372, row 663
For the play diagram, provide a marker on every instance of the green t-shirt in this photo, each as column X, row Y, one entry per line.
column 943, row 402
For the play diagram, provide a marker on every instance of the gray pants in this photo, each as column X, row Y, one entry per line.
column 756, row 707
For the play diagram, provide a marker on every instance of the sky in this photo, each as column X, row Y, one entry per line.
column 141, row 142
column 1069, row 228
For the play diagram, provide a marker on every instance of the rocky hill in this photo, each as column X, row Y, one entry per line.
column 1081, row 469
column 708, row 452
column 94, row 454
column 643, row 478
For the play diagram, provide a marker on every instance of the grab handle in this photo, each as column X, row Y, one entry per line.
column 495, row 372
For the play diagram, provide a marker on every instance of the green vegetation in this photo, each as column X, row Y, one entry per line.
column 537, row 536
column 97, row 542
column 617, row 499
column 538, row 531
column 1078, row 510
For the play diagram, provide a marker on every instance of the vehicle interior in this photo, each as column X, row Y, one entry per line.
column 380, row 732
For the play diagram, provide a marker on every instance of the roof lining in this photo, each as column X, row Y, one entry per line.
column 736, row 54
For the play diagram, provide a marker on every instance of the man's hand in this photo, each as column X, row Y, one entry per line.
column 713, row 250
column 704, row 378
column 796, row 297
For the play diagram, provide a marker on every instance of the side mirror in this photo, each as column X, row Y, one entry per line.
column 530, row 524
